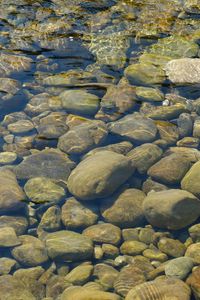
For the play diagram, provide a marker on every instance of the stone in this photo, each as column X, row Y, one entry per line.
column 38, row 104
column 185, row 124
column 144, row 156
column 191, row 154
column 11, row 194
column 103, row 233
column 31, row 280
column 167, row 112
column 134, row 127
column 130, row 234
column 12, row 288
column 50, row 163
column 190, row 181
column 171, row 247
column 171, row 209
column 83, row 138
column 31, row 252
column 80, row 275
column 50, row 221
column 190, row 142
column 168, row 132
column 175, row 47
column 7, row 158
column 56, row 285
column 161, row 288
column 110, row 251
column 125, row 209
column 155, row 255
column 194, row 253
column 196, row 128
column 9, row 85
column 149, row 94
column 8, row 237
column 81, row 293
column 151, row 185
column 106, row 275
column 170, row 169
column 121, row 148
column 14, row 63
column 132, row 247
column 41, row 190
column 118, row 100
column 147, row 235
column 183, row 71
column 79, row 102
column 144, row 73
column 194, row 282
column 77, row 215
column 68, row 245
column 99, row 175
column 129, row 277
column 18, row 223
column 52, row 126
column 7, row 265
column 21, row 126
column 194, row 232
column 179, row 267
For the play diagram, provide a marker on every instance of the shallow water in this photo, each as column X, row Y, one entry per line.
column 48, row 48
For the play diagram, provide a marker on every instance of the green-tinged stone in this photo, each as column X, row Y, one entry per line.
column 149, row 94
column 79, row 102
column 80, row 293
column 190, row 182
column 80, row 275
column 68, row 245
column 132, row 247
column 144, row 74
column 103, row 233
column 31, row 252
column 41, row 189
column 175, row 47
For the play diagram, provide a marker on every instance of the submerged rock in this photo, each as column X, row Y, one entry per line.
column 31, row 252
column 50, row 163
column 171, row 209
column 77, row 215
column 144, row 73
column 11, row 194
column 103, row 233
column 134, row 127
column 41, row 189
column 99, row 175
column 190, row 181
column 83, row 137
column 79, row 102
column 175, row 47
column 129, row 277
column 69, row 246
column 14, row 63
column 144, row 156
column 12, row 288
column 125, row 209
column 164, row 287
column 170, row 169
column 8, row 237
column 179, row 267
column 81, row 293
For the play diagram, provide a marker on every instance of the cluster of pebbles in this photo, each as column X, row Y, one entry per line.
column 99, row 170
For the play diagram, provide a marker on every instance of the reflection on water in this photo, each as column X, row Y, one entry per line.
column 99, row 106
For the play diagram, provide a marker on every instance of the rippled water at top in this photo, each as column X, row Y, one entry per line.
column 99, row 149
